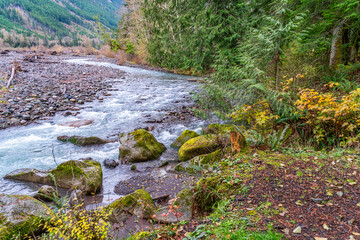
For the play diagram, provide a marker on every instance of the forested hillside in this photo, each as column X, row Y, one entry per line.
column 29, row 22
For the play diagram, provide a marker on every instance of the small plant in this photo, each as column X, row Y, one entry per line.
column 78, row 223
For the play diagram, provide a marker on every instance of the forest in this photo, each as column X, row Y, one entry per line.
column 52, row 19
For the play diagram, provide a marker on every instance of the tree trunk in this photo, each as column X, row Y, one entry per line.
column 335, row 54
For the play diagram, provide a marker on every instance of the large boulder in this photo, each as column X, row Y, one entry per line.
column 138, row 203
column 220, row 129
column 21, row 216
column 82, row 141
column 183, row 138
column 139, row 146
column 84, row 175
column 201, row 145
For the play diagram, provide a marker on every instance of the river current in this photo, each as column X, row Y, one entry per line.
column 141, row 95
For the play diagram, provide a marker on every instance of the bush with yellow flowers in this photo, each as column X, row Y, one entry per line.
column 78, row 223
column 332, row 119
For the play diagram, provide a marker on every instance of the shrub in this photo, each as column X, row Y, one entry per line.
column 333, row 120
column 78, row 223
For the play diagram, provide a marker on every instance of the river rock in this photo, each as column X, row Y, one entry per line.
column 139, row 146
column 138, row 203
column 184, row 200
column 76, row 198
column 83, row 175
column 183, row 138
column 21, row 215
column 77, row 123
column 82, row 141
column 201, row 145
column 110, row 163
column 46, row 193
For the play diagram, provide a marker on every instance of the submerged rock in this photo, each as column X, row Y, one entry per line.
column 201, row 145
column 82, row 141
column 138, row 203
column 21, row 215
column 183, row 138
column 74, row 174
column 139, row 146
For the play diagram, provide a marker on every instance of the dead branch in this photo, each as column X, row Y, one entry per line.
column 11, row 77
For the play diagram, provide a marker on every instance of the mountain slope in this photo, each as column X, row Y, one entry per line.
column 57, row 18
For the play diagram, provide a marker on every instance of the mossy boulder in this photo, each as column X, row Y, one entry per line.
column 210, row 158
column 138, row 203
column 183, row 138
column 220, row 129
column 200, row 145
column 21, row 216
column 82, row 141
column 139, row 146
column 84, row 175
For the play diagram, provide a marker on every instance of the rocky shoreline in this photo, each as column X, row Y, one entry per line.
column 46, row 84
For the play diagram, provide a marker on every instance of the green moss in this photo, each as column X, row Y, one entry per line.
column 33, row 225
column 140, row 236
column 148, row 141
column 220, row 129
column 69, row 168
column 199, row 146
column 126, row 203
column 183, row 138
column 133, row 168
column 142, row 195
column 139, row 146
column 210, row 158
column 86, row 141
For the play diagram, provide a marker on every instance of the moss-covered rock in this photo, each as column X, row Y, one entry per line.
column 139, row 146
column 82, row 141
column 183, row 200
column 84, row 175
column 220, row 129
column 81, row 175
column 200, row 145
column 138, row 203
column 186, row 167
column 208, row 158
column 183, row 138
column 21, row 216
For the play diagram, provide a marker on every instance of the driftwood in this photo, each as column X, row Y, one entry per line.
column 16, row 67
column 11, row 77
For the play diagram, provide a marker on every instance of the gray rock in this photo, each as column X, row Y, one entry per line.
column 46, row 193
column 110, row 163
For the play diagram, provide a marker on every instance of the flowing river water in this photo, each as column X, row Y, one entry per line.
column 140, row 97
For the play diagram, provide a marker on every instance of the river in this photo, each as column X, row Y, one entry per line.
column 142, row 96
